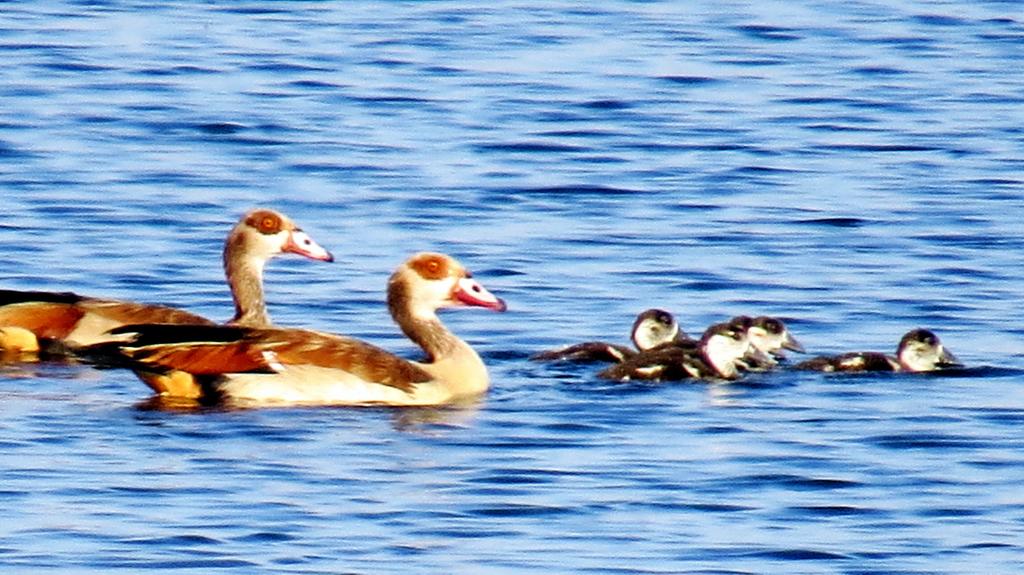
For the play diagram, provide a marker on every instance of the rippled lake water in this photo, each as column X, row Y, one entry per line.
column 856, row 168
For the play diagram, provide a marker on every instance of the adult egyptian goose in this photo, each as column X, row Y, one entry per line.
column 259, row 366
column 653, row 327
column 918, row 350
column 41, row 322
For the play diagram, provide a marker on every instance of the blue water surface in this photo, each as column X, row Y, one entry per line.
column 855, row 168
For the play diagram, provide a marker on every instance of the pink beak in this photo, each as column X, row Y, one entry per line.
column 472, row 293
column 300, row 243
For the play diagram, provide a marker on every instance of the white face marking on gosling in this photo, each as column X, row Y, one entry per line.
column 770, row 336
column 652, row 333
column 762, row 340
column 724, row 350
column 920, row 356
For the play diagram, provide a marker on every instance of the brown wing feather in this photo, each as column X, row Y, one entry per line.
column 126, row 312
column 55, row 316
column 269, row 349
column 202, row 359
column 45, row 319
column 366, row 361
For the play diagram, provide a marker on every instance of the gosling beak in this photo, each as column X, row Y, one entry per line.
column 947, row 360
column 791, row 343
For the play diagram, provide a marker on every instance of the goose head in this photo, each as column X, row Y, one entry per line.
column 264, row 233
column 921, row 350
column 429, row 281
column 654, row 327
column 724, row 346
column 770, row 336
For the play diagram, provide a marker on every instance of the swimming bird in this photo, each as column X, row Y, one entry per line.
column 273, row 366
column 918, row 350
column 769, row 336
column 717, row 355
column 651, row 328
column 53, row 322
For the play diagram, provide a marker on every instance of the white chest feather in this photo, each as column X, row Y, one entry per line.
column 311, row 385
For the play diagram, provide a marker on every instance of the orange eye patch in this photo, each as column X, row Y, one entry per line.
column 431, row 267
column 266, row 222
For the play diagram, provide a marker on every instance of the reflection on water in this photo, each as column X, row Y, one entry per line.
column 459, row 415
